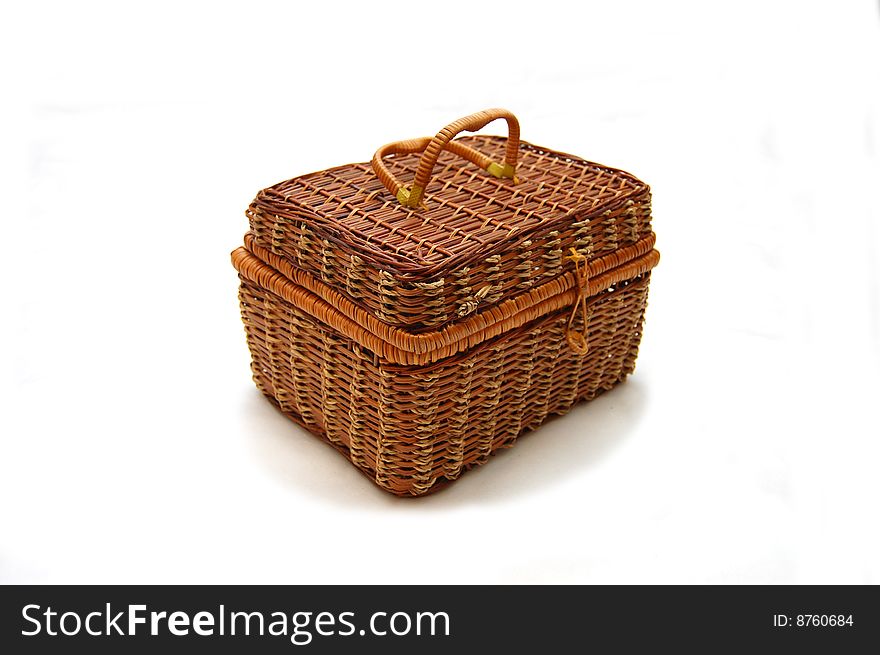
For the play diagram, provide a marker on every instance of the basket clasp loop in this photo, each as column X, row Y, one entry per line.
column 577, row 341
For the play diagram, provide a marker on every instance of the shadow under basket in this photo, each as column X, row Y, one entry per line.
column 418, row 340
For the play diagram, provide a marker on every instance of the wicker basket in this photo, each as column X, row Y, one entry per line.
column 419, row 328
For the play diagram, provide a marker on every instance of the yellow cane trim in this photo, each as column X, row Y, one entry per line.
column 501, row 170
column 410, row 197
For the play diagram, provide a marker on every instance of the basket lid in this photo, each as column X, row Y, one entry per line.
column 486, row 219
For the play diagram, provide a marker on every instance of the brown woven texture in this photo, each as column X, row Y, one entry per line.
column 419, row 340
column 410, row 428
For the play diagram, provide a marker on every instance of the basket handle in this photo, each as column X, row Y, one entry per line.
column 411, row 197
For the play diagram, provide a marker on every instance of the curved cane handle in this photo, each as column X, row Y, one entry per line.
column 411, row 197
column 418, row 145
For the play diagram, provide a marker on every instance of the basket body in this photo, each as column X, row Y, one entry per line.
column 420, row 333
column 413, row 428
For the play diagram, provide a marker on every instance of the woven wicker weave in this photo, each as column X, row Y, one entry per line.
column 420, row 328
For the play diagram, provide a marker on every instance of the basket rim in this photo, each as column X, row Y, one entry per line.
column 401, row 346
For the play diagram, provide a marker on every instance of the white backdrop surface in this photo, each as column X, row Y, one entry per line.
column 134, row 447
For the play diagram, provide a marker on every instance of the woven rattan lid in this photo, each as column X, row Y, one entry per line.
column 436, row 230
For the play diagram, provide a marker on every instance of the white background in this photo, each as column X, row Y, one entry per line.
column 135, row 448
